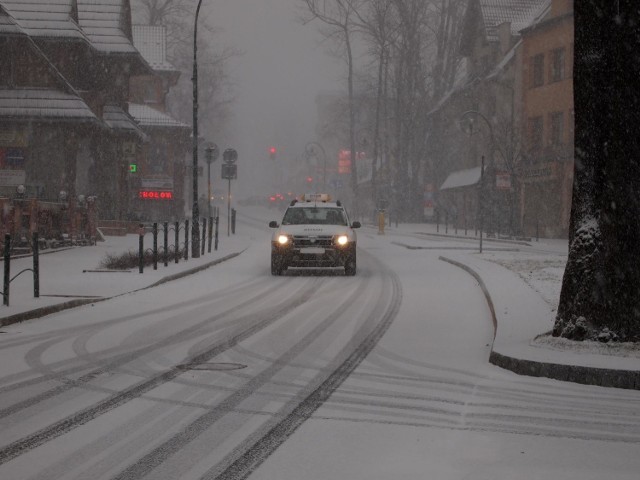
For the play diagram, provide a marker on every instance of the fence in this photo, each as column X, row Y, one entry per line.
column 165, row 253
column 177, row 250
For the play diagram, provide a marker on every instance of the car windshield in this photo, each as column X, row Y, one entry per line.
column 314, row 215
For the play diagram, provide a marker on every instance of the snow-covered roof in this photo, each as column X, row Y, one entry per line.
column 462, row 178
column 45, row 104
column 103, row 21
column 151, row 42
column 45, row 18
column 150, row 117
column 119, row 120
column 519, row 13
column 8, row 25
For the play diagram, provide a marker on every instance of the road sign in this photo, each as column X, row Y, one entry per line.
column 211, row 153
column 229, row 171
column 230, row 155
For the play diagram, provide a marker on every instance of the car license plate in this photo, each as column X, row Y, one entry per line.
column 313, row 250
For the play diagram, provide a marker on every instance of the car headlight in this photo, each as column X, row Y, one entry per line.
column 283, row 239
column 342, row 240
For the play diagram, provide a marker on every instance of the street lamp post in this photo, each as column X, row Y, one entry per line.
column 310, row 151
column 195, row 214
column 482, row 178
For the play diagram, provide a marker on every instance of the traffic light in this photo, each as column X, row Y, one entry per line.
column 309, row 179
column 272, row 153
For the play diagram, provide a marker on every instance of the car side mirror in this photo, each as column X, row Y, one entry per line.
column 356, row 225
column 273, row 224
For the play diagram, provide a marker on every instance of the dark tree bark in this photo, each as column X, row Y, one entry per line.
column 600, row 297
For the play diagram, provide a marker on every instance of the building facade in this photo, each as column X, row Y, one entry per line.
column 68, row 140
column 547, row 110
column 512, row 111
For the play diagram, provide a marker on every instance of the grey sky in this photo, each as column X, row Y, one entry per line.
column 278, row 77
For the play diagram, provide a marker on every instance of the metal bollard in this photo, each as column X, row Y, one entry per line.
column 186, row 239
column 36, row 266
column 7, row 269
column 233, row 221
column 177, row 241
column 209, row 233
column 217, row 229
column 141, row 248
column 166, row 243
column 204, row 236
column 155, row 246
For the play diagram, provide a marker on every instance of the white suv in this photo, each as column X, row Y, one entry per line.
column 316, row 233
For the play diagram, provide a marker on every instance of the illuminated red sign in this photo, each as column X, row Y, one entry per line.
column 155, row 195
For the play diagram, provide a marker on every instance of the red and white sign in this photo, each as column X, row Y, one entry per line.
column 503, row 181
column 155, row 195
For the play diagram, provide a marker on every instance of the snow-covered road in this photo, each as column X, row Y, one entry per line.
column 233, row 373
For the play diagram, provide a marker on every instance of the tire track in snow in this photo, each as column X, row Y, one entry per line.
column 65, row 425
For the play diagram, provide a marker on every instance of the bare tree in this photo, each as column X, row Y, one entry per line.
column 411, row 91
column 217, row 92
column 449, row 14
column 600, row 298
column 379, row 26
column 339, row 18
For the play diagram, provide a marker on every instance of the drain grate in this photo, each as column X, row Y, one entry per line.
column 213, row 366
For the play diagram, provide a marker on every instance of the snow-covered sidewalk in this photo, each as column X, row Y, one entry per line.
column 74, row 275
column 521, row 281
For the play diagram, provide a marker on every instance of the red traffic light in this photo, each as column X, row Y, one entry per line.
column 272, row 152
column 309, row 179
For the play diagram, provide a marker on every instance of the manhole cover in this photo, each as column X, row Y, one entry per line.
column 213, row 366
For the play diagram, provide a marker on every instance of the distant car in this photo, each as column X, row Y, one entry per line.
column 316, row 233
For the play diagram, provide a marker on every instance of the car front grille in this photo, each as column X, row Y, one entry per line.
column 303, row 241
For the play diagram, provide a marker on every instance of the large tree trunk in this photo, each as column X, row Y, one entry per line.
column 600, row 295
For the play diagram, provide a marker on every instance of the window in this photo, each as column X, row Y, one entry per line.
column 557, row 65
column 557, row 128
column 535, row 133
column 537, row 70
column 31, row 71
column 5, row 71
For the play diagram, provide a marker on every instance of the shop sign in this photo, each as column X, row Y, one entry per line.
column 11, row 178
column 155, row 195
column 503, row 181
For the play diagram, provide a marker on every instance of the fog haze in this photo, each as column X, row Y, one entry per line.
column 282, row 69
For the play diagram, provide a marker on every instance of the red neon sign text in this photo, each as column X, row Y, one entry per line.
column 155, row 195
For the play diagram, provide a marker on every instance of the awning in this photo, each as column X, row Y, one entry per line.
column 462, row 178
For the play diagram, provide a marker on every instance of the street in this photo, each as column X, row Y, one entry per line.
column 233, row 373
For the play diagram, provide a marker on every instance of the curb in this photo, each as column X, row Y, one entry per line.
column 603, row 377
column 48, row 310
